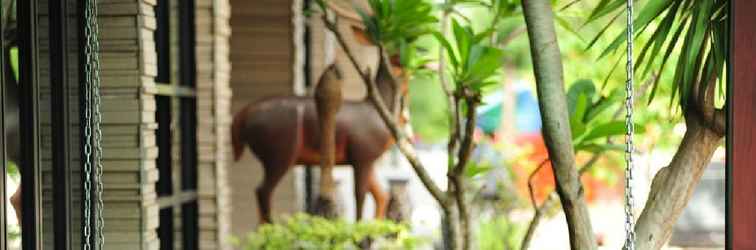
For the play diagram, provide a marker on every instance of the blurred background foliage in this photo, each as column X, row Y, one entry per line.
column 597, row 120
column 428, row 107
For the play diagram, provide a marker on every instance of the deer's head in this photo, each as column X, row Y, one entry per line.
column 391, row 78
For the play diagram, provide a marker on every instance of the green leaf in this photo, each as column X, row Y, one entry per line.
column 603, row 8
column 649, row 11
column 608, row 129
column 603, row 30
column 660, row 36
column 479, row 86
column 670, row 48
column 371, row 26
column 463, row 39
column 488, row 60
column 611, row 72
column 598, row 148
column 603, row 104
column 14, row 61
column 582, row 86
column 473, row 170
column 566, row 26
column 696, row 40
column 449, row 50
column 576, row 119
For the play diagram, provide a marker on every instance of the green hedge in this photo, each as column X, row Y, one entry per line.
column 309, row 232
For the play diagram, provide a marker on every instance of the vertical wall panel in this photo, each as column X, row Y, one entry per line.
column 743, row 202
column 128, row 69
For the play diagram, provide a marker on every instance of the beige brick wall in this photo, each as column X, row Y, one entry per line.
column 214, row 119
column 128, row 69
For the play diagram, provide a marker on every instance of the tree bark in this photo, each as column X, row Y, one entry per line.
column 544, row 48
column 449, row 225
column 673, row 186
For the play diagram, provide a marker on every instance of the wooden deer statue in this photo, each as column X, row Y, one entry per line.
column 284, row 131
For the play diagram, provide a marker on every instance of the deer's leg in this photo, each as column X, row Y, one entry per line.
column 15, row 201
column 277, row 148
column 362, row 173
column 276, row 160
column 380, row 196
column 273, row 174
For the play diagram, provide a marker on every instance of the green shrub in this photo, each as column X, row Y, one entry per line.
column 499, row 233
column 309, row 232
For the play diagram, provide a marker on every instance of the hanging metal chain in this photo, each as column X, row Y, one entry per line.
column 87, row 148
column 93, row 132
column 630, row 149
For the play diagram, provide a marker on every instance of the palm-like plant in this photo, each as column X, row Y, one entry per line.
column 696, row 32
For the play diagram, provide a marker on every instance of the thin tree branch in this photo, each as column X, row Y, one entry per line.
column 451, row 102
column 530, row 183
column 442, row 60
column 538, row 214
column 549, row 202
column 450, row 229
column 467, row 146
column 456, row 174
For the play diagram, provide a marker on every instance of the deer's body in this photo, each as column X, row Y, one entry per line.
column 290, row 118
column 284, row 131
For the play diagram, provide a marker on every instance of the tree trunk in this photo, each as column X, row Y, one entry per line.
column 544, row 49
column 673, row 186
column 449, row 227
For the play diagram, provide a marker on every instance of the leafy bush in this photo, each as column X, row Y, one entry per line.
column 499, row 233
column 12, row 171
column 309, row 232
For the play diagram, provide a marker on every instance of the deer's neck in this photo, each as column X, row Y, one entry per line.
column 386, row 86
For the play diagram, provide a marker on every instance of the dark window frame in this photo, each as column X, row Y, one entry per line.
column 61, row 111
column 30, row 119
column 60, row 14
column 177, row 195
column 31, row 237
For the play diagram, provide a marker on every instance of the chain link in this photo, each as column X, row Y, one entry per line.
column 92, row 132
column 630, row 149
column 87, row 141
